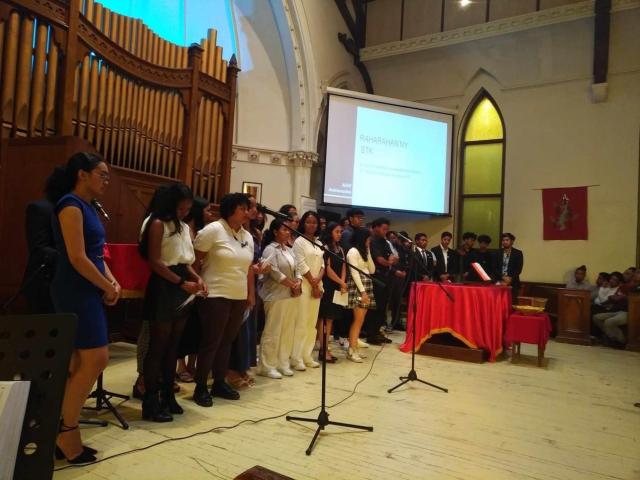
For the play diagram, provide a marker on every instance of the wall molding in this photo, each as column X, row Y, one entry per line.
column 551, row 16
column 278, row 158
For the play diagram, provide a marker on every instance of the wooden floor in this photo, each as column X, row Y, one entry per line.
column 574, row 419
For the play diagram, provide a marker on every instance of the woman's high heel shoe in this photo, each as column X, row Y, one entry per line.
column 60, row 454
column 84, row 457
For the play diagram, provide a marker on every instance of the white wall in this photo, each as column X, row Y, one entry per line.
column 288, row 51
column 555, row 135
column 263, row 107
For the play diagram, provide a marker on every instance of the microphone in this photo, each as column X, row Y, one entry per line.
column 404, row 238
column 273, row 213
column 98, row 206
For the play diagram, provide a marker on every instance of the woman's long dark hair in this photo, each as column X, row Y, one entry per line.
column 164, row 207
column 326, row 237
column 64, row 177
column 197, row 213
column 270, row 234
column 359, row 241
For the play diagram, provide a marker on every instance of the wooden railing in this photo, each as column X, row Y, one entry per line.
column 146, row 104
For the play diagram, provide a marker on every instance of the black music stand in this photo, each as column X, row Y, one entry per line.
column 103, row 402
column 37, row 348
column 323, row 417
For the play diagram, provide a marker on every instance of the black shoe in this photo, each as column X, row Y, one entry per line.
column 168, row 401
column 136, row 392
column 201, row 396
column 84, row 457
column 151, row 409
column 374, row 340
column 88, row 450
column 222, row 390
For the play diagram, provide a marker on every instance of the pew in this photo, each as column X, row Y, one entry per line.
column 574, row 316
column 633, row 327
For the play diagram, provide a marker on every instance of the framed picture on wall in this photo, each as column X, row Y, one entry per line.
column 254, row 189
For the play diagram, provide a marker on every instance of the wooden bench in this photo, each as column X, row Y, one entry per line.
column 570, row 312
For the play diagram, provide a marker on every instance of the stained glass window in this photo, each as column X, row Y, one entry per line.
column 481, row 182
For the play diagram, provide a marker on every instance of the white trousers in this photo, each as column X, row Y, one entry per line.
column 276, row 342
column 304, row 337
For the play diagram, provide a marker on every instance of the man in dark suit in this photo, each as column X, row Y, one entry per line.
column 445, row 258
column 356, row 218
column 42, row 257
column 424, row 261
column 385, row 262
column 464, row 252
column 510, row 263
column 482, row 256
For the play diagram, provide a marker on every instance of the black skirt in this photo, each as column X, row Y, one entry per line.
column 162, row 298
column 328, row 309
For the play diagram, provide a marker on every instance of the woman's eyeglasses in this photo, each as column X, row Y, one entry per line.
column 103, row 176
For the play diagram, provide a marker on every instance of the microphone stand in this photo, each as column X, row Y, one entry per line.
column 412, row 376
column 323, row 416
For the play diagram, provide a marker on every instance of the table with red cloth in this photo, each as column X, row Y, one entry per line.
column 476, row 316
column 531, row 328
column 128, row 267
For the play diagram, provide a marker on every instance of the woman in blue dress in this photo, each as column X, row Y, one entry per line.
column 81, row 285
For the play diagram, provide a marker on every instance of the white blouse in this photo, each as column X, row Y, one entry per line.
column 175, row 249
column 355, row 259
column 309, row 258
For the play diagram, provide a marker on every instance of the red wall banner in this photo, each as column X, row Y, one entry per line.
column 564, row 213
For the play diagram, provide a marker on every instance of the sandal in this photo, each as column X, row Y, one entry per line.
column 330, row 358
column 248, row 380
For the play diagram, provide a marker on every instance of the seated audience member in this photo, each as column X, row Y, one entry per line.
column 609, row 287
column 424, row 259
column 510, row 261
column 610, row 321
column 445, row 259
column 628, row 282
column 579, row 280
column 463, row 251
column 601, row 281
column 278, row 289
column 485, row 258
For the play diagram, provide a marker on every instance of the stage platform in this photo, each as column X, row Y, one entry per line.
column 572, row 420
